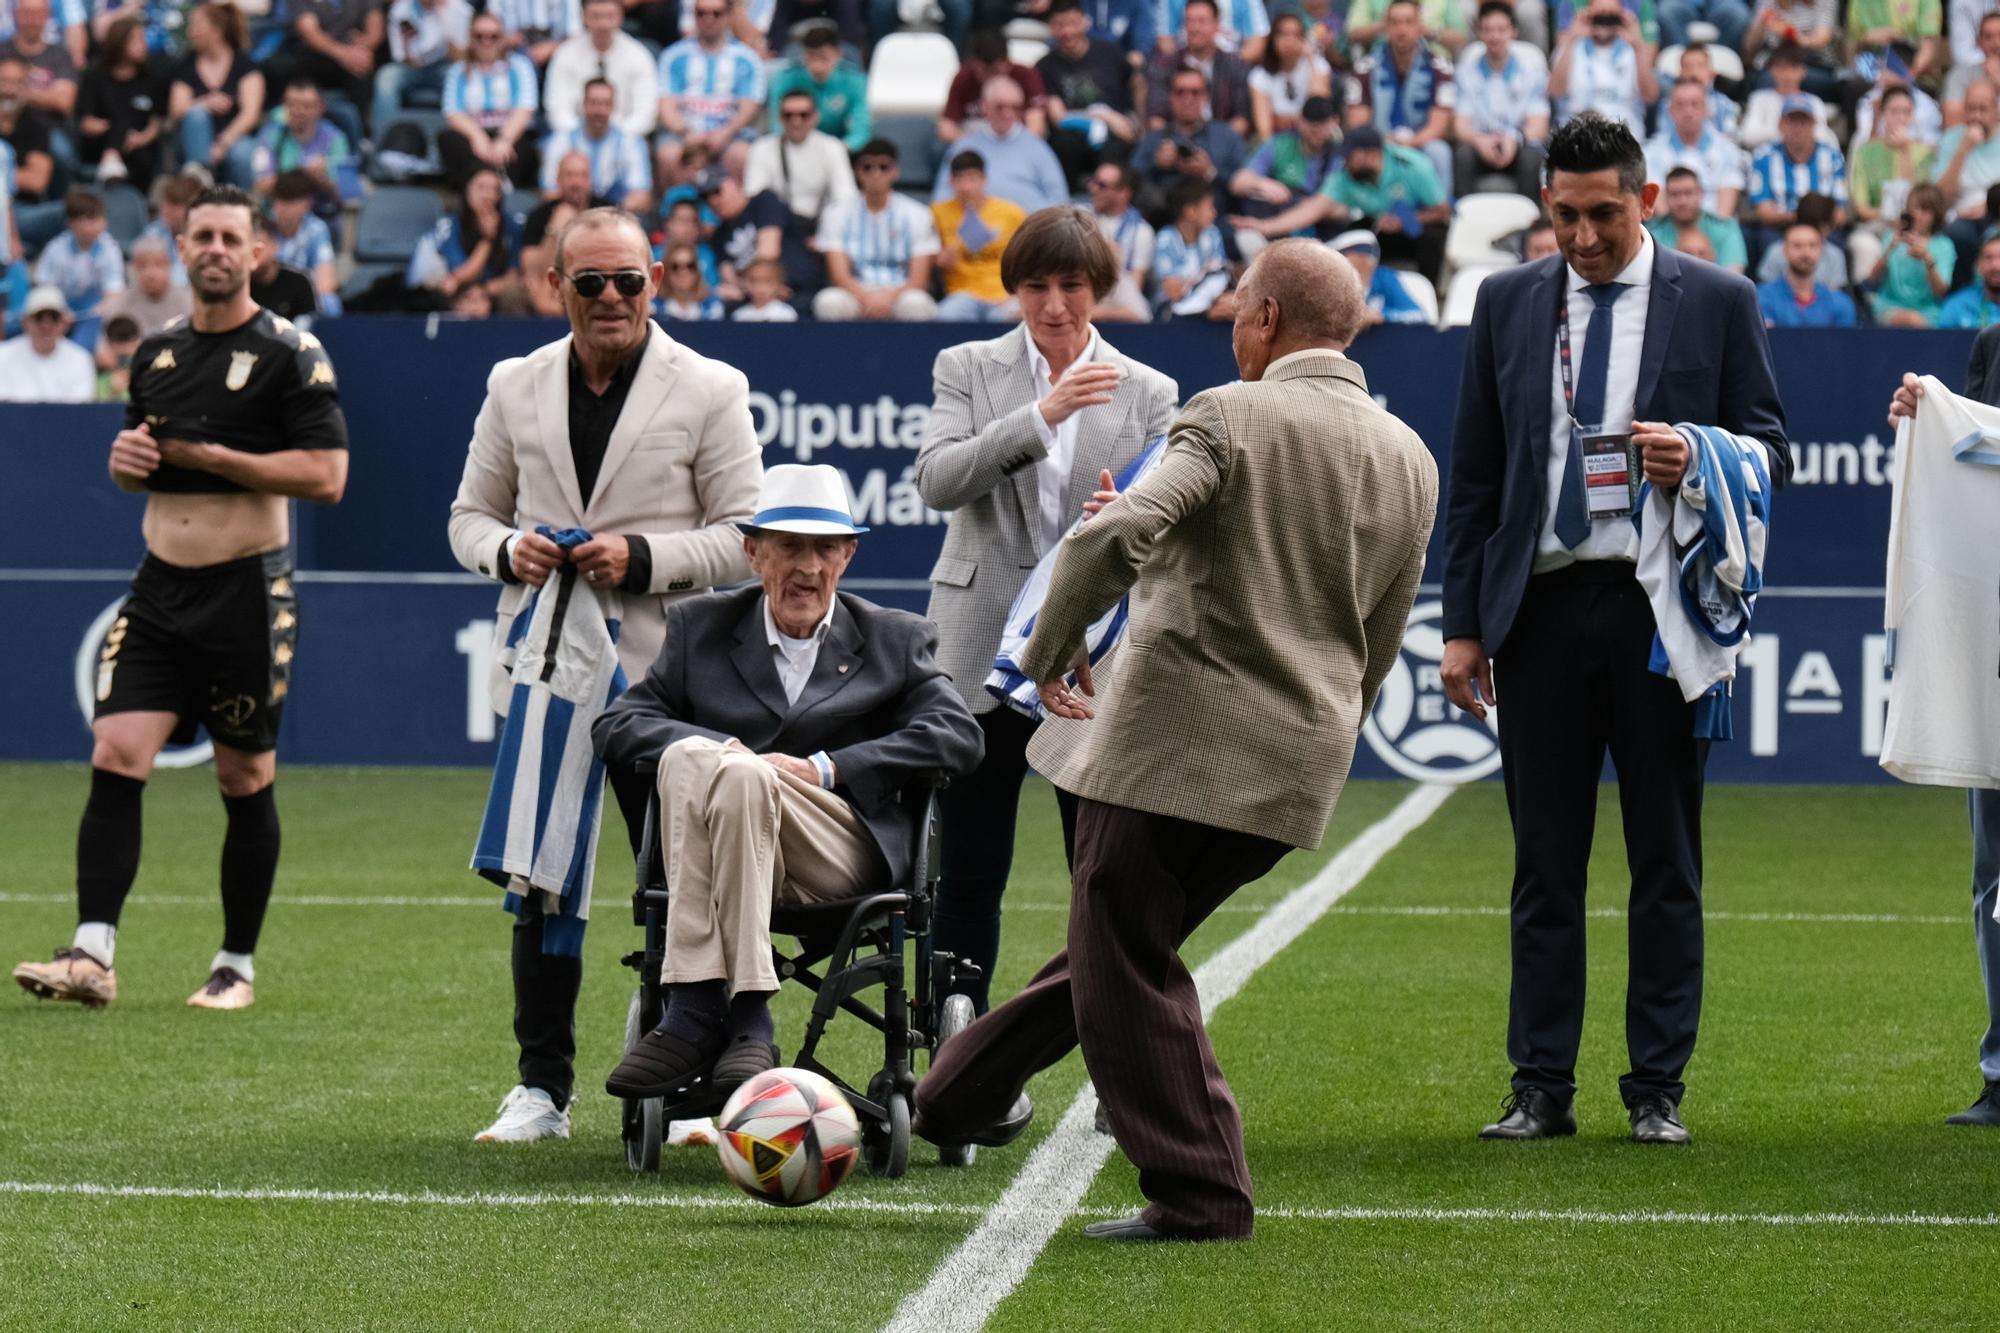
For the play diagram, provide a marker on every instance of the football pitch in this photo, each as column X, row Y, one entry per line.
column 307, row 1164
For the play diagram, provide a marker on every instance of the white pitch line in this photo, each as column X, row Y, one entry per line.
column 975, row 1277
column 280, row 900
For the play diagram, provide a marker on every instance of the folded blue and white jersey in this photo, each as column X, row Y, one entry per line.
column 1006, row 682
column 1701, row 562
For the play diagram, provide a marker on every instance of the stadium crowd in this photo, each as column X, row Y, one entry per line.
column 825, row 159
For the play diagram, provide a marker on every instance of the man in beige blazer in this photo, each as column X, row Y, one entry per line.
column 618, row 430
column 1272, row 558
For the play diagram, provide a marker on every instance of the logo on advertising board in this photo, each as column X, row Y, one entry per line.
column 1414, row 729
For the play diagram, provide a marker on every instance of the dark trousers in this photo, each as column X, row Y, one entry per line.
column 1573, row 684
column 460, row 163
column 976, row 817
column 1143, row 882
column 546, row 985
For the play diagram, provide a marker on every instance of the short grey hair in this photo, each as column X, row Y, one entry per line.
column 1318, row 293
column 155, row 244
column 595, row 219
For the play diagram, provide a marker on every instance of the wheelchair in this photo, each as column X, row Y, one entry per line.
column 845, row 947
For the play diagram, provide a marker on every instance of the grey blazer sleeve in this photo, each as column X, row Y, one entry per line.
column 639, row 726
column 958, row 464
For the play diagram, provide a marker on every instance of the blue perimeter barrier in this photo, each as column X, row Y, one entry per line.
column 394, row 636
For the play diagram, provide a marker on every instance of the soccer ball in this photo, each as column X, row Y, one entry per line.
column 788, row 1137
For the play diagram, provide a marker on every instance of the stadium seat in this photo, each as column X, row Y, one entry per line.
column 1033, row 30
column 520, row 203
column 393, row 219
column 1728, row 65
column 366, row 275
column 410, row 138
column 1422, row 292
column 1459, row 297
column 1478, row 224
column 125, row 213
column 918, row 151
column 910, row 75
column 1026, row 51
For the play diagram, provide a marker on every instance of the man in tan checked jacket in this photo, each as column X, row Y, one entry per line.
column 1272, row 558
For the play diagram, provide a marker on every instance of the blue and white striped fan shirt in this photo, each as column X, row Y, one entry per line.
column 1605, row 79
column 879, row 246
column 1174, row 256
column 307, row 248
column 557, row 18
column 62, row 14
column 488, row 93
column 1776, row 179
column 1500, row 101
column 1718, row 161
column 619, row 163
column 1240, row 20
column 708, row 83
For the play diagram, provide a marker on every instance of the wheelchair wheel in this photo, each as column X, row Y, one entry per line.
column 954, row 1016
column 643, row 1123
column 885, row 1143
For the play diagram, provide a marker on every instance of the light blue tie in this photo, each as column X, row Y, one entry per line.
column 1593, row 369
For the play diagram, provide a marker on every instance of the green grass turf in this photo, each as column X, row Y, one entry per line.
column 1364, row 1057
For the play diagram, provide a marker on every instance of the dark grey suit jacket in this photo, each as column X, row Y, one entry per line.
column 876, row 702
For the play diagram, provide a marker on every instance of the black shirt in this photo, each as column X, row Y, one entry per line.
column 189, row 73
column 591, row 421
column 735, row 239
column 288, row 293
column 263, row 387
column 1102, row 75
column 29, row 135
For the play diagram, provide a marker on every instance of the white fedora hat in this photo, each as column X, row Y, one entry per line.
column 806, row 499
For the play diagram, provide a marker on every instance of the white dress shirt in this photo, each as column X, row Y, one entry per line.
column 1610, row 538
column 1052, row 471
column 795, row 659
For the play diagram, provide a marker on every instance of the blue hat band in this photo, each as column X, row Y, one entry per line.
column 807, row 512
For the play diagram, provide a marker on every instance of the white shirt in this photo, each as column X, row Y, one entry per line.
column 810, row 177
column 1610, row 538
column 795, row 658
column 1052, row 470
column 629, row 68
column 1943, row 726
column 66, row 375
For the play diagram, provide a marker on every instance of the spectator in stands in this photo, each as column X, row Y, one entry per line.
column 806, row 169
column 1696, row 244
column 115, row 347
column 43, row 365
column 1915, row 270
column 747, row 227
column 303, row 139
column 602, row 52
column 573, row 195
column 477, row 246
column 1682, row 211
column 1241, row 26
column 1815, row 210
column 1723, row 111
column 711, row 92
column 170, row 198
column 1389, row 301
column 1963, row 29
column 1604, row 64
column 121, row 109
column 1442, row 21
column 1798, row 299
column 681, row 225
column 1112, row 189
column 767, row 299
column 619, row 169
column 1987, row 67
column 1225, row 78
column 973, row 229
column 150, row 299
column 535, row 28
column 282, row 291
column 1191, row 145
column 1888, row 166
column 332, row 44
column 82, row 262
column 1133, row 26
column 10, row 237
column 426, row 38
column 216, row 99
column 1729, row 18
column 1540, row 241
column 1813, row 26
column 1089, row 84
column 840, row 89
column 1968, row 164
column 49, row 65
column 71, row 31
column 879, row 247
column 1287, row 170
column 26, row 134
column 1501, row 118
column 1019, row 167
column 490, row 100
column 1788, row 170
column 1190, row 265
column 1689, row 140
column 302, row 239
column 1927, row 118
column 1875, row 26
column 986, row 60
column 1406, row 89
column 1288, row 73
column 1385, row 187
column 1978, row 304
column 1765, row 107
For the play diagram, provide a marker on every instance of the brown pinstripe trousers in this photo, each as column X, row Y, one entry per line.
column 1142, row 883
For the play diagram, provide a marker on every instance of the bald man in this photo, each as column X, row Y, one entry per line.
column 1276, row 550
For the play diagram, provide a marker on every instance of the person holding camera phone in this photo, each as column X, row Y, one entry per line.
column 1604, row 63
column 1915, row 271
column 1190, row 146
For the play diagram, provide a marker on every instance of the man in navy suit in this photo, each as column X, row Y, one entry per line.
column 1613, row 337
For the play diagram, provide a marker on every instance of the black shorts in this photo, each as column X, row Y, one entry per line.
column 213, row 645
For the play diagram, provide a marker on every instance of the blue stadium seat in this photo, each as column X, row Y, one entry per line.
column 414, row 133
column 366, row 275
column 393, row 219
column 918, row 151
column 125, row 213
column 520, row 203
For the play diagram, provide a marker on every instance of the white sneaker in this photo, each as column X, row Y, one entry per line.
column 691, row 1133
column 526, row 1115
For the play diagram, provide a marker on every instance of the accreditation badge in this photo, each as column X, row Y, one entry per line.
column 1610, row 473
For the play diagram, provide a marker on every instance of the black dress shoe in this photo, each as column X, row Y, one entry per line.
column 663, row 1065
column 996, row 1135
column 1532, row 1113
column 1985, row 1111
column 1655, row 1119
column 1124, row 1228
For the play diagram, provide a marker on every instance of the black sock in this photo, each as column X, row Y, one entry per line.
column 107, row 846
column 750, row 1017
column 695, row 1010
column 249, row 864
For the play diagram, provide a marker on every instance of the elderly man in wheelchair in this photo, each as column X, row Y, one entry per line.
column 785, row 723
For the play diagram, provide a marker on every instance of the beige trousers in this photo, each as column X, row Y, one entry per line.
column 740, row 834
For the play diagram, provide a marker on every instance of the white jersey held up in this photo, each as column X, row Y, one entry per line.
column 1943, row 605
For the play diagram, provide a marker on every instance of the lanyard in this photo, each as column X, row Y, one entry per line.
column 1563, row 354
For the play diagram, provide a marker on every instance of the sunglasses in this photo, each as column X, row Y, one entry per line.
column 795, row 115
column 1105, row 185
column 485, row 36
column 589, row 284
column 681, row 268
column 876, row 166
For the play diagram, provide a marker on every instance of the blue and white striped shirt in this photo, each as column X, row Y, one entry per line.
column 879, row 246
column 619, row 163
column 1605, row 79
column 1776, row 179
column 1240, row 20
column 759, row 12
column 6, row 204
column 307, row 248
column 1174, row 256
column 1718, row 161
column 62, row 14
column 556, row 18
column 487, row 93
column 85, row 276
column 710, row 84
column 1501, row 101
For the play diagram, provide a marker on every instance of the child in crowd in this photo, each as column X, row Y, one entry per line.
column 764, row 284
column 686, row 296
column 1190, row 269
column 82, row 262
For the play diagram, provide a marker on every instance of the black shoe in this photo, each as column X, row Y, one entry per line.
column 1103, row 1124
column 663, row 1065
column 743, row 1061
column 1985, row 1111
column 1656, row 1119
column 1124, row 1228
column 996, row 1135
column 1532, row 1113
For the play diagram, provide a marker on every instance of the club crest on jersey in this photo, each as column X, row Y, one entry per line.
column 165, row 360
column 240, row 364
